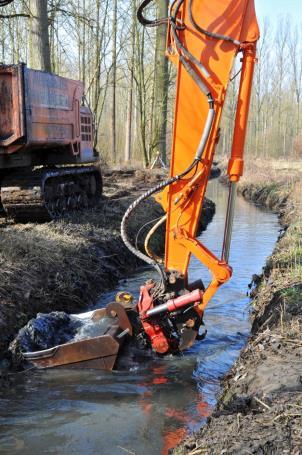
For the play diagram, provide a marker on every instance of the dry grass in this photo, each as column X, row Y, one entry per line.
column 65, row 265
column 278, row 186
column 58, row 266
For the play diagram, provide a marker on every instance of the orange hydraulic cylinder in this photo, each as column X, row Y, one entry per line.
column 235, row 167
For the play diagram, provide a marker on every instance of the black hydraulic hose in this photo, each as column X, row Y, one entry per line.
column 206, row 32
column 207, row 129
column 173, row 13
column 148, row 22
column 5, row 2
column 190, row 57
column 186, row 58
column 186, row 63
column 127, row 215
column 132, row 207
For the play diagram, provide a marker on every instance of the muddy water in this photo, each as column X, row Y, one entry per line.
column 151, row 406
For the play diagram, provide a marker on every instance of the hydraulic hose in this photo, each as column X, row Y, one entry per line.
column 149, row 236
column 189, row 56
column 126, row 217
column 148, row 22
column 207, row 129
column 202, row 87
column 211, row 114
column 5, row 2
column 132, row 207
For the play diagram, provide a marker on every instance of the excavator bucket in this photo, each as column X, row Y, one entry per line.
column 98, row 352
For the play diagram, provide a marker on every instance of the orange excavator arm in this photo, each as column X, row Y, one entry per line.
column 204, row 38
column 208, row 60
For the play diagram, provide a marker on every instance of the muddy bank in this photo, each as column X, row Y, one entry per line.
column 260, row 407
column 66, row 265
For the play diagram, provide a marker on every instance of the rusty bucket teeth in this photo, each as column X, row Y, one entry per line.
column 99, row 352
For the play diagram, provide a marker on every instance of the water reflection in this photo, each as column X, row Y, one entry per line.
column 151, row 406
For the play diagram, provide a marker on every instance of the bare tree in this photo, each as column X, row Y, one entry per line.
column 39, row 51
column 130, row 88
column 281, row 64
column 294, row 39
column 113, row 81
column 161, row 74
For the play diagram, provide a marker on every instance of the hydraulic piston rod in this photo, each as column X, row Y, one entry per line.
column 229, row 222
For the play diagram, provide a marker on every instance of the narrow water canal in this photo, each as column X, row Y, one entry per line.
column 152, row 406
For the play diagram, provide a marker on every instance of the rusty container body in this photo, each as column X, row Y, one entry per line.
column 42, row 120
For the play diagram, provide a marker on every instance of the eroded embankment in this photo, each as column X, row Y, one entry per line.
column 260, row 408
column 65, row 265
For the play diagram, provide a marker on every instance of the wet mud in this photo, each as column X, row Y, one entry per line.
column 260, row 408
column 66, row 265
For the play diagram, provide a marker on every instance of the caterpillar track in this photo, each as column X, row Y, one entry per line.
column 41, row 195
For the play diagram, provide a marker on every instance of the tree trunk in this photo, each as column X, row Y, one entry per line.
column 39, row 52
column 98, row 102
column 161, row 85
column 113, row 82
column 130, row 90
column 83, row 75
column 141, row 91
column 129, row 119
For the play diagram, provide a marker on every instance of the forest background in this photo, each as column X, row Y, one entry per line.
column 130, row 86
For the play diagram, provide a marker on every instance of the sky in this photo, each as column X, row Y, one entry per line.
column 275, row 8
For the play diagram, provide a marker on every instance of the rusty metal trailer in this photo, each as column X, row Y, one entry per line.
column 47, row 159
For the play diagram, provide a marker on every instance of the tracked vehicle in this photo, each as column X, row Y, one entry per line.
column 48, row 166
